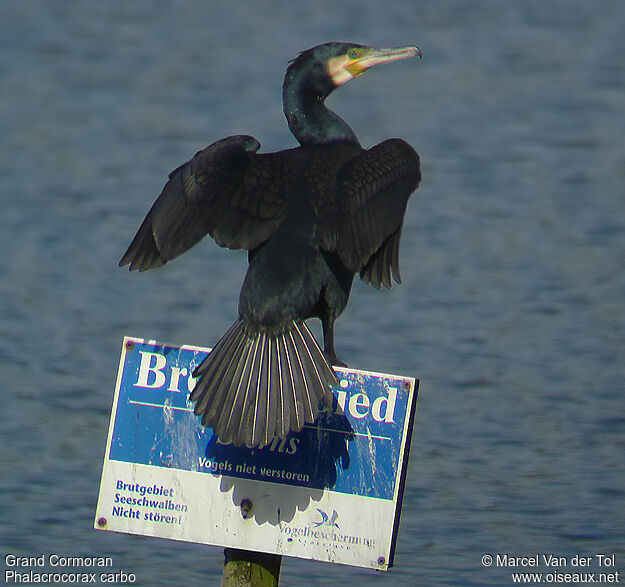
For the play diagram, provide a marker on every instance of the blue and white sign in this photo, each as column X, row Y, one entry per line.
column 331, row 492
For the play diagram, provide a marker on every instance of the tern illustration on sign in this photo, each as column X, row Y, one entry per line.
column 327, row 520
column 311, row 217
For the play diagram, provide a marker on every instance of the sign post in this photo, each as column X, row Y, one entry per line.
column 242, row 567
column 330, row 493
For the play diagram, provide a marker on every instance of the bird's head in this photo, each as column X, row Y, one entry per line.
column 315, row 73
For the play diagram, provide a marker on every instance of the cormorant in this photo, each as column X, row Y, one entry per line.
column 311, row 217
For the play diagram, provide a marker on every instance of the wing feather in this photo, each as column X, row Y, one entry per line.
column 363, row 223
column 227, row 191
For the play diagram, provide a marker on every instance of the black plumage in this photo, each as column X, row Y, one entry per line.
column 311, row 217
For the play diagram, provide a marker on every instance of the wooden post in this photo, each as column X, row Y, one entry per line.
column 243, row 568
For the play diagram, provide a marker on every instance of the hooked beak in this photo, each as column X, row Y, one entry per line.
column 371, row 56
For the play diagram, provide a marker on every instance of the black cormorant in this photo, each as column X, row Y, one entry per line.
column 311, row 217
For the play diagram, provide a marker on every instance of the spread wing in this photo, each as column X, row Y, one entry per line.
column 362, row 223
column 226, row 191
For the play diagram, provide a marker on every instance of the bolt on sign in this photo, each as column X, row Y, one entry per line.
column 331, row 493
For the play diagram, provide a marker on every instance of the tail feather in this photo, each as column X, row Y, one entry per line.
column 315, row 357
column 216, row 371
column 275, row 408
column 231, row 414
column 296, row 383
column 209, row 403
column 235, row 365
column 286, row 385
column 257, row 418
column 254, row 386
column 307, row 376
column 252, row 411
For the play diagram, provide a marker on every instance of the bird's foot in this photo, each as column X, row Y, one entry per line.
column 333, row 359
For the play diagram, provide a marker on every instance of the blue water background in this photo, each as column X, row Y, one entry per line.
column 512, row 307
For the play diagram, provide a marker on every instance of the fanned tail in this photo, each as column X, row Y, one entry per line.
column 254, row 386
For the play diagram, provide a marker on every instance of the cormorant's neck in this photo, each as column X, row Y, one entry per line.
column 310, row 121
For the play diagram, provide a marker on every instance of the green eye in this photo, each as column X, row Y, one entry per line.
column 352, row 53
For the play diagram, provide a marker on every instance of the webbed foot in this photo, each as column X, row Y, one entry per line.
column 333, row 359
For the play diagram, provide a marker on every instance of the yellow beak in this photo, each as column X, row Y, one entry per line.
column 374, row 56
